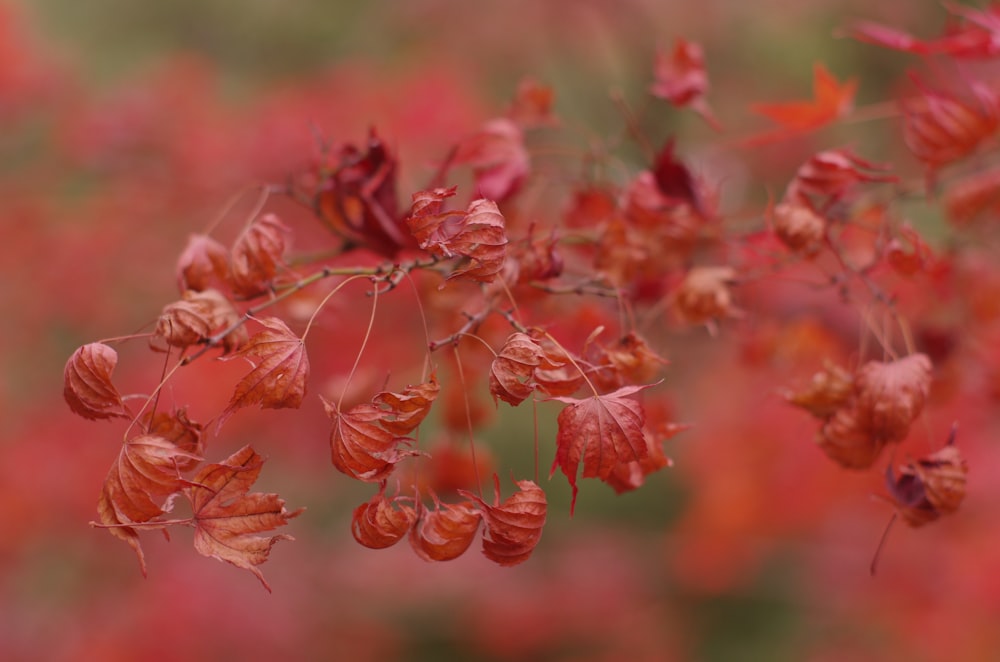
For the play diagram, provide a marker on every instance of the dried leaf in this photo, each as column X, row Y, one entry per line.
column 257, row 254
column 829, row 390
column 514, row 527
column 87, row 383
column 929, row 487
column 799, row 227
column 203, row 262
column 227, row 518
column 680, row 78
column 512, row 371
column 377, row 524
column 602, row 431
column 176, row 427
column 482, row 238
column 891, row 395
column 831, row 176
column 446, row 532
column 359, row 447
column 403, row 412
column 498, row 158
column 280, row 369
column 704, row 294
column 847, row 442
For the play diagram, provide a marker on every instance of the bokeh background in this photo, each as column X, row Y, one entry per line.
column 126, row 125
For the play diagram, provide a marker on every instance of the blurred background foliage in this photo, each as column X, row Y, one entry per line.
column 128, row 125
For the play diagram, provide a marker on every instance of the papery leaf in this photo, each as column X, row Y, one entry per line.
column 829, row 176
column 497, row 156
column 202, row 262
column 514, row 527
column 629, row 360
column 180, row 430
column 140, row 486
column 196, row 316
column 257, row 254
column 799, row 227
column 680, row 78
column 829, row 390
column 929, row 487
column 280, row 369
column 846, row 441
column 482, row 239
column 446, row 532
column 381, row 522
column 403, row 412
column 601, row 431
column 359, row 447
column 891, row 395
column 627, row 476
column 512, row 371
column 227, row 517
column 704, row 294
column 87, row 384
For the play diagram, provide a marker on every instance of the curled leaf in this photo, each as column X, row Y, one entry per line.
column 202, row 262
column 227, row 517
column 799, row 227
column 257, row 254
column 196, row 316
column 929, row 487
column 446, row 532
column 87, row 382
column 680, row 78
column 403, row 412
column 514, row 527
column 280, row 369
column 704, row 294
column 829, row 390
column 359, row 446
column 845, row 441
column 891, row 395
column 497, row 156
column 381, row 522
column 511, row 373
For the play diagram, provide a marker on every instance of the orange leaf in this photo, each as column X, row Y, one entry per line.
column 830, row 101
column 359, row 447
column 227, row 517
column 281, row 368
column 511, row 373
column 140, row 486
column 257, row 254
column 602, row 431
column 87, row 382
column 377, row 525
column 514, row 527
column 403, row 412
column 446, row 532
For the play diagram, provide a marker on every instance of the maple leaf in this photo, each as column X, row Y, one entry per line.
column 280, row 369
column 446, row 532
column 87, row 383
column 196, row 316
column 513, row 368
column 680, row 78
column 601, row 431
column 514, row 527
column 831, row 100
column 376, row 524
column 202, row 261
column 227, row 518
column 497, row 156
column 140, row 486
column 257, row 254
column 359, row 447
column 403, row 412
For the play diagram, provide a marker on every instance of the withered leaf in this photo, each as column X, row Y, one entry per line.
column 280, row 369
column 602, row 431
column 514, row 527
column 87, row 382
column 403, row 412
column 359, row 447
column 512, row 371
column 202, row 261
column 929, row 487
column 227, row 518
column 446, row 532
column 257, row 254
column 382, row 522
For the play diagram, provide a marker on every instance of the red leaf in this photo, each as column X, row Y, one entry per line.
column 87, row 383
column 227, row 517
column 512, row 371
column 280, row 369
column 680, row 78
column 975, row 39
column 359, row 447
column 532, row 105
column 446, row 532
column 514, row 527
column 602, row 431
column 202, row 262
column 831, row 100
column 929, row 487
column 140, row 486
column 257, row 254
column 403, row 412
column 376, row 524
column 498, row 158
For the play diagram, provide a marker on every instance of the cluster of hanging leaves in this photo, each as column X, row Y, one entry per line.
column 653, row 247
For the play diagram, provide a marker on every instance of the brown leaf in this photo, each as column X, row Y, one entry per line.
column 845, row 440
column 891, row 395
column 377, row 524
column 514, row 527
column 704, row 294
column 257, row 254
column 828, row 391
column 799, row 227
column 602, row 431
column 482, row 239
column 141, row 485
column 227, row 517
column 929, row 487
column 359, row 447
column 446, row 532
column 177, row 428
column 87, row 383
column 403, row 412
column 280, row 369
column 202, row 262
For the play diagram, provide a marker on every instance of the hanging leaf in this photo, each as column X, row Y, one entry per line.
column 929, row 487
column 87, row 383
column 512, row 371
column 361, row 448
column 403, row 412
column 514, row 527
column 257, row 254
column 228, row 519
column 601, row 431
column 203, row 261
column 382, row 522
column 280, row 370
column 446, row 532
column 680, row 78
